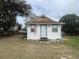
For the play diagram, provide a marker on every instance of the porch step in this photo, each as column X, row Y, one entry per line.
column 43, row 39
column 51, row 41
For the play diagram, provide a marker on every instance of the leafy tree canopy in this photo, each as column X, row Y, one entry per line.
column 9, row 9
column 71, row 23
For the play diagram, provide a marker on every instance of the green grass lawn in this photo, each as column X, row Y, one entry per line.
column 73, row 43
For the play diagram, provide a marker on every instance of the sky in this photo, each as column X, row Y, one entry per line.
column 54, row 9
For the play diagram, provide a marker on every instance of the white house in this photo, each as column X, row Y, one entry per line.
column 43, row 28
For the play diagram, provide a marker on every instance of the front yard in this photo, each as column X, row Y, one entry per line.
column 73, row 43
column 16, row 47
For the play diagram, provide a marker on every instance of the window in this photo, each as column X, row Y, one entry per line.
column 33, row 28
column 55, row 28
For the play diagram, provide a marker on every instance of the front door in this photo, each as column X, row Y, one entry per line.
column 43, row 31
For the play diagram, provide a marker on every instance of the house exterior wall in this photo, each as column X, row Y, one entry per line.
column 50, row 35
column 54, row 35
column 33, row 35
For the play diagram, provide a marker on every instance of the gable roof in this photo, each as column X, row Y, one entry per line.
column 43, row 20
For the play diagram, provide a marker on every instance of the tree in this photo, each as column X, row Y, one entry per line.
column 9, row 9
column 71, row 25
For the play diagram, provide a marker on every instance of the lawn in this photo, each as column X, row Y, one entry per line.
column 73, row 42
column 15, row 47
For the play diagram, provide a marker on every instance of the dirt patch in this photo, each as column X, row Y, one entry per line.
column 15, row 47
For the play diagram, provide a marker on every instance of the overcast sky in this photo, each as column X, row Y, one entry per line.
column 54, row 9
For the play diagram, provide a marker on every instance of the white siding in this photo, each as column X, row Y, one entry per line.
column 50, row 35
column 53, row 35
column 33, row 35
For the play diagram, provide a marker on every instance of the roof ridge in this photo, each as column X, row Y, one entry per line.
column 44, row 20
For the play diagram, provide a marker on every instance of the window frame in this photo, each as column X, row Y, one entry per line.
column 55, row 28
column 33, row 29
